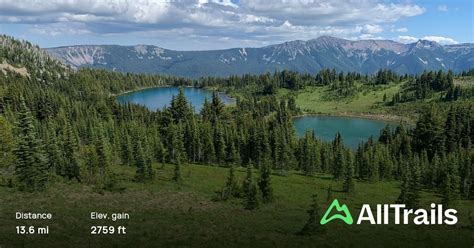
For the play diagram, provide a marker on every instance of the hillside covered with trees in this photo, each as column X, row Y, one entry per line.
column 60, row 126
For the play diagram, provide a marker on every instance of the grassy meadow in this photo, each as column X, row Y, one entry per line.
column 368, row 102
column 164, row 213
column 316, row 99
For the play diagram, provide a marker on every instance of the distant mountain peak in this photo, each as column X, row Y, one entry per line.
column 427, row 44
column 364, row 56
column 328, row 38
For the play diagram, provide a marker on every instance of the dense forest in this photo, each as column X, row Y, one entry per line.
column 57, row 124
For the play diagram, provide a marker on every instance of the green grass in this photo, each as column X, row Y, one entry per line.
column 314, row 99
column 367, row 102
column 464, row 82
column 164, row 213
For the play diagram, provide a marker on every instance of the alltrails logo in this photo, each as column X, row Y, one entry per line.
column 436, row 215
column 347, row 217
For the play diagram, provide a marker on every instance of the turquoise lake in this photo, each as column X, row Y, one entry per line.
column 160, row 97
column 352, row 130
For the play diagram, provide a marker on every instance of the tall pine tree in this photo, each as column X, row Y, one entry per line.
column 31, row 168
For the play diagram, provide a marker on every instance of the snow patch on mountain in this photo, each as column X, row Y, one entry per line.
column 243, row 54
column 82, row 55
column 423, row 61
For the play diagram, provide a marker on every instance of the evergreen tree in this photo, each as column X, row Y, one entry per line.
column 180, row 108
column 7, row 145
column 308, row 160
column 192, row 141
column 329, row 193
column 161, row 153
column 468, row 177
column 231, row 188
column 411, row 185
column 217, row 106
column 313, row 225
column 127, row 150
column 140, row 161
column 91, row 159
column 219, row 143
column 450, row 185
column 209, row 153
column 54, row 154
column 232, row 153
column 385, row 135
column 403, row 196
column 338, row 151
column 149, row 172
column 177, row 172
column 450, row 132
column 434, row 173
column 176, row 148
column 325, row 155
column 251, row 199
column 263, row 149
column 250, row 190
column 414, row 185
column 31, row 169
column 103, row 152
column 246, row 183
column 349, row 185
column 264, row 183
column 206, row 111
column 72, row 162
column 429, row 133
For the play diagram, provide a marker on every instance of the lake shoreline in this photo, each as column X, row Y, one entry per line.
column 137, row 89
column 158, row 97
column 369, row 116
column 168, row 85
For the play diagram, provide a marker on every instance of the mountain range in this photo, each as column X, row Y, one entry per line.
column 364, row 56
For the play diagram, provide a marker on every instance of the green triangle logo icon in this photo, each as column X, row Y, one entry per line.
column 346, row 217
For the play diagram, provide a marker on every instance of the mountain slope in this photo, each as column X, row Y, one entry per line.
column 26, row 59
column 365, row 56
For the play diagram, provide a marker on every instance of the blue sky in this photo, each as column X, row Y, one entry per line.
column 218, row 24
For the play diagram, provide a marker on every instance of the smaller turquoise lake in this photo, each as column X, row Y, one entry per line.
column 160, row 97
column 352, row 130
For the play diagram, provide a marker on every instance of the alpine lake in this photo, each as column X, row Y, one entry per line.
column 353, row 130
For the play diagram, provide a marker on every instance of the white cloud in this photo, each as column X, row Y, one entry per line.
column 407, row 39
column 372, row 29
column 59, row 29
column 439, row 39
column 443, row 7
column 368, row 37
column 248, row 22
column 305, row 13
column 399, row 30
column 245, row 18
column 335, row 12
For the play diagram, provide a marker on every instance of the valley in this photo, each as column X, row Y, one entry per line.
column 238, row 173
column 235, row 123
